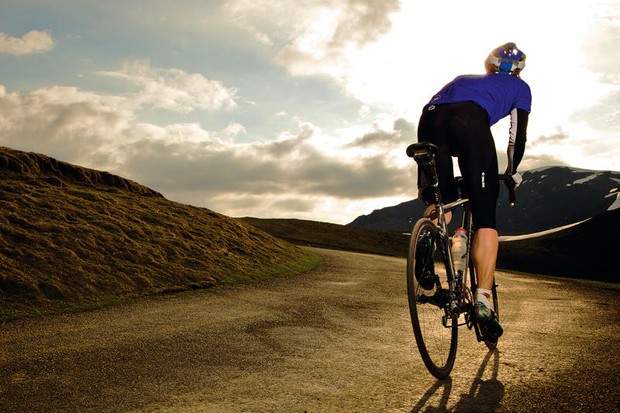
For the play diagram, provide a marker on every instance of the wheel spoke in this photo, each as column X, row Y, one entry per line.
column 435, row 339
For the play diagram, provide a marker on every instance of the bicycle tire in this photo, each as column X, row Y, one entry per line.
column 491, row 344
column 436, row 342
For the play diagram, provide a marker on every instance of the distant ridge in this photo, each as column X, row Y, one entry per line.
column 548, row 198
column 333, row 236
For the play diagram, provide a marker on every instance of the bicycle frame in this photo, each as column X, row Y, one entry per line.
column 460, row 293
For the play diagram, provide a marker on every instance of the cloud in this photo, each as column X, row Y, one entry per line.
column 293, row 166
column 558, row 137
column 291, row 179
column 316, row 38
column 333, row 33
column 60, row 120
column 600, row 44
column 604, row 115
column 173, row 89
column 362, row 22
column 270, row 22
column 32, row 42
column 603, row 59
column 404, row 132
column 538, row 161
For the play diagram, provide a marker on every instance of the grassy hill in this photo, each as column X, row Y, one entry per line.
column 327, row 235
column 72, row 237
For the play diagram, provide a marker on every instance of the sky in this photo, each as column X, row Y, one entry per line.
column 291, row 109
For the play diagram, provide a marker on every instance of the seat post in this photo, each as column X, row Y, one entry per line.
column 424, row 154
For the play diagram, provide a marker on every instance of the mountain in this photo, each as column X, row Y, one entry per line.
column 548, row 198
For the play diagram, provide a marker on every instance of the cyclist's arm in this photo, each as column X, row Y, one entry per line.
column 517, row 139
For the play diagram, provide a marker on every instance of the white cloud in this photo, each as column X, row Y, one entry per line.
column 292, row 176
column 87, row 128
column 601, row 39
column 173, row 89
column 269, row 21
column 60, row 121
column 332, row 33
column 233, row 129
column 315, row 39
column 30, row 43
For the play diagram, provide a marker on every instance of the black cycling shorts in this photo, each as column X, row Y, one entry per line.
column 462, row 130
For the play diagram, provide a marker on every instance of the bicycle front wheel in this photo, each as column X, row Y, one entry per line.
column 436, row 333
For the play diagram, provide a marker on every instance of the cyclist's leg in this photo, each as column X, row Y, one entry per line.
column 484, row 253
column 478, row 164
column 435, row 127
column 485, row 243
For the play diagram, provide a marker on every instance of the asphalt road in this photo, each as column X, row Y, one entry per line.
column 335, row 340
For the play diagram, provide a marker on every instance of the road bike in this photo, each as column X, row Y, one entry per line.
column 441, row 299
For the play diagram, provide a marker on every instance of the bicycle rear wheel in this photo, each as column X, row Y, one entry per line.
column 436, row 334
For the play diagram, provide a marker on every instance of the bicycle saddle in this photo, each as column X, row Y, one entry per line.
column 422, row 152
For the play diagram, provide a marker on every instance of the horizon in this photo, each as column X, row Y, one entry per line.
column 276, row 110
column 613, row 206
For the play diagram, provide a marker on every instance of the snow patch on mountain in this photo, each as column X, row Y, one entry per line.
column 616, row 203
column 587, row 178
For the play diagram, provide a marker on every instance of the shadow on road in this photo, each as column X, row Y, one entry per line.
column 443, row 403
column 484, row 394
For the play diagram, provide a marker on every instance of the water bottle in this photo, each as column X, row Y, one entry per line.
column 459, row 250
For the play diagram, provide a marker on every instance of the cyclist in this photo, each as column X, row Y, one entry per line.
column 458, row 121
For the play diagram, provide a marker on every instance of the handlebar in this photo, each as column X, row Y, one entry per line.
column 510, row 184
column 508, row 181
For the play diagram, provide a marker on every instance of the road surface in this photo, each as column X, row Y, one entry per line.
column 337, row 339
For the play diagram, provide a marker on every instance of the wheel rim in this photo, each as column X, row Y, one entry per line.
column 436, row 336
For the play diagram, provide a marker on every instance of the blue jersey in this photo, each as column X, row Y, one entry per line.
column 498, row 94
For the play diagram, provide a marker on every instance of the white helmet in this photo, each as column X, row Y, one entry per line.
column 506, row 59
